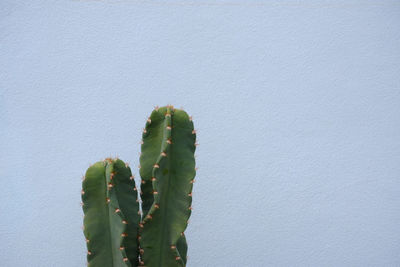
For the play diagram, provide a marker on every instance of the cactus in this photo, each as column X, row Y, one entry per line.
column 116, row 234
column 167, row 172
column 111, row 215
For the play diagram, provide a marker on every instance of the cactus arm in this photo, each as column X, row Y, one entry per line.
column 106, row 222
column 168, row 155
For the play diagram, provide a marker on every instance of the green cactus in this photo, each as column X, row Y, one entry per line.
column 114, row 229
column 167, row 172
column 111, row 215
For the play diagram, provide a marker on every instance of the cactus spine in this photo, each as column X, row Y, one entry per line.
column 116, row 233
column 167, row 172
column 111, row 215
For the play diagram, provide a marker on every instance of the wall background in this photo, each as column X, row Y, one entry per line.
column 296, row 105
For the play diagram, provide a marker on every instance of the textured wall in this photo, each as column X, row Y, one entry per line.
column 297, row 106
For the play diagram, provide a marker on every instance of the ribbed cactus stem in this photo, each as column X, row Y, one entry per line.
column 111, row 215
column 167, row 171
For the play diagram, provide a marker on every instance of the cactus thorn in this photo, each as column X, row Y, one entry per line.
column 139, row 167
column 141, row 142
column 121, row 248
column 87, row 240
column 108, row 200
column 155, row 193
column 82, row 204
column 132, row 177
column 194, row 132
column 156, row 206
column 193, row 181
column 153, row 179
column 156, row 108
column 168, row 128
column 196, row 144
column 144, row 130
column 117, row 210
column 110, row 185
column 149, row 120
column 141, row 225
column 156, row 166
column 190, row 118
column 173, row 247
column 89, row 253
column 169, row 141
column 190, row 208
column 124, row 234
column 163, row 154
column 125, row 259
column 135, row 189
column 141, row 251
column 190, row 194
column 167, row 115
column 177, row 258
column 82, row 192
column 149, row 217
column 143, row 181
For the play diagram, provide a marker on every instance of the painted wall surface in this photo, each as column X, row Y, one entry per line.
column 297, row 105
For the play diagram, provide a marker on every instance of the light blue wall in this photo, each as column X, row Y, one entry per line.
column 297, row 105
